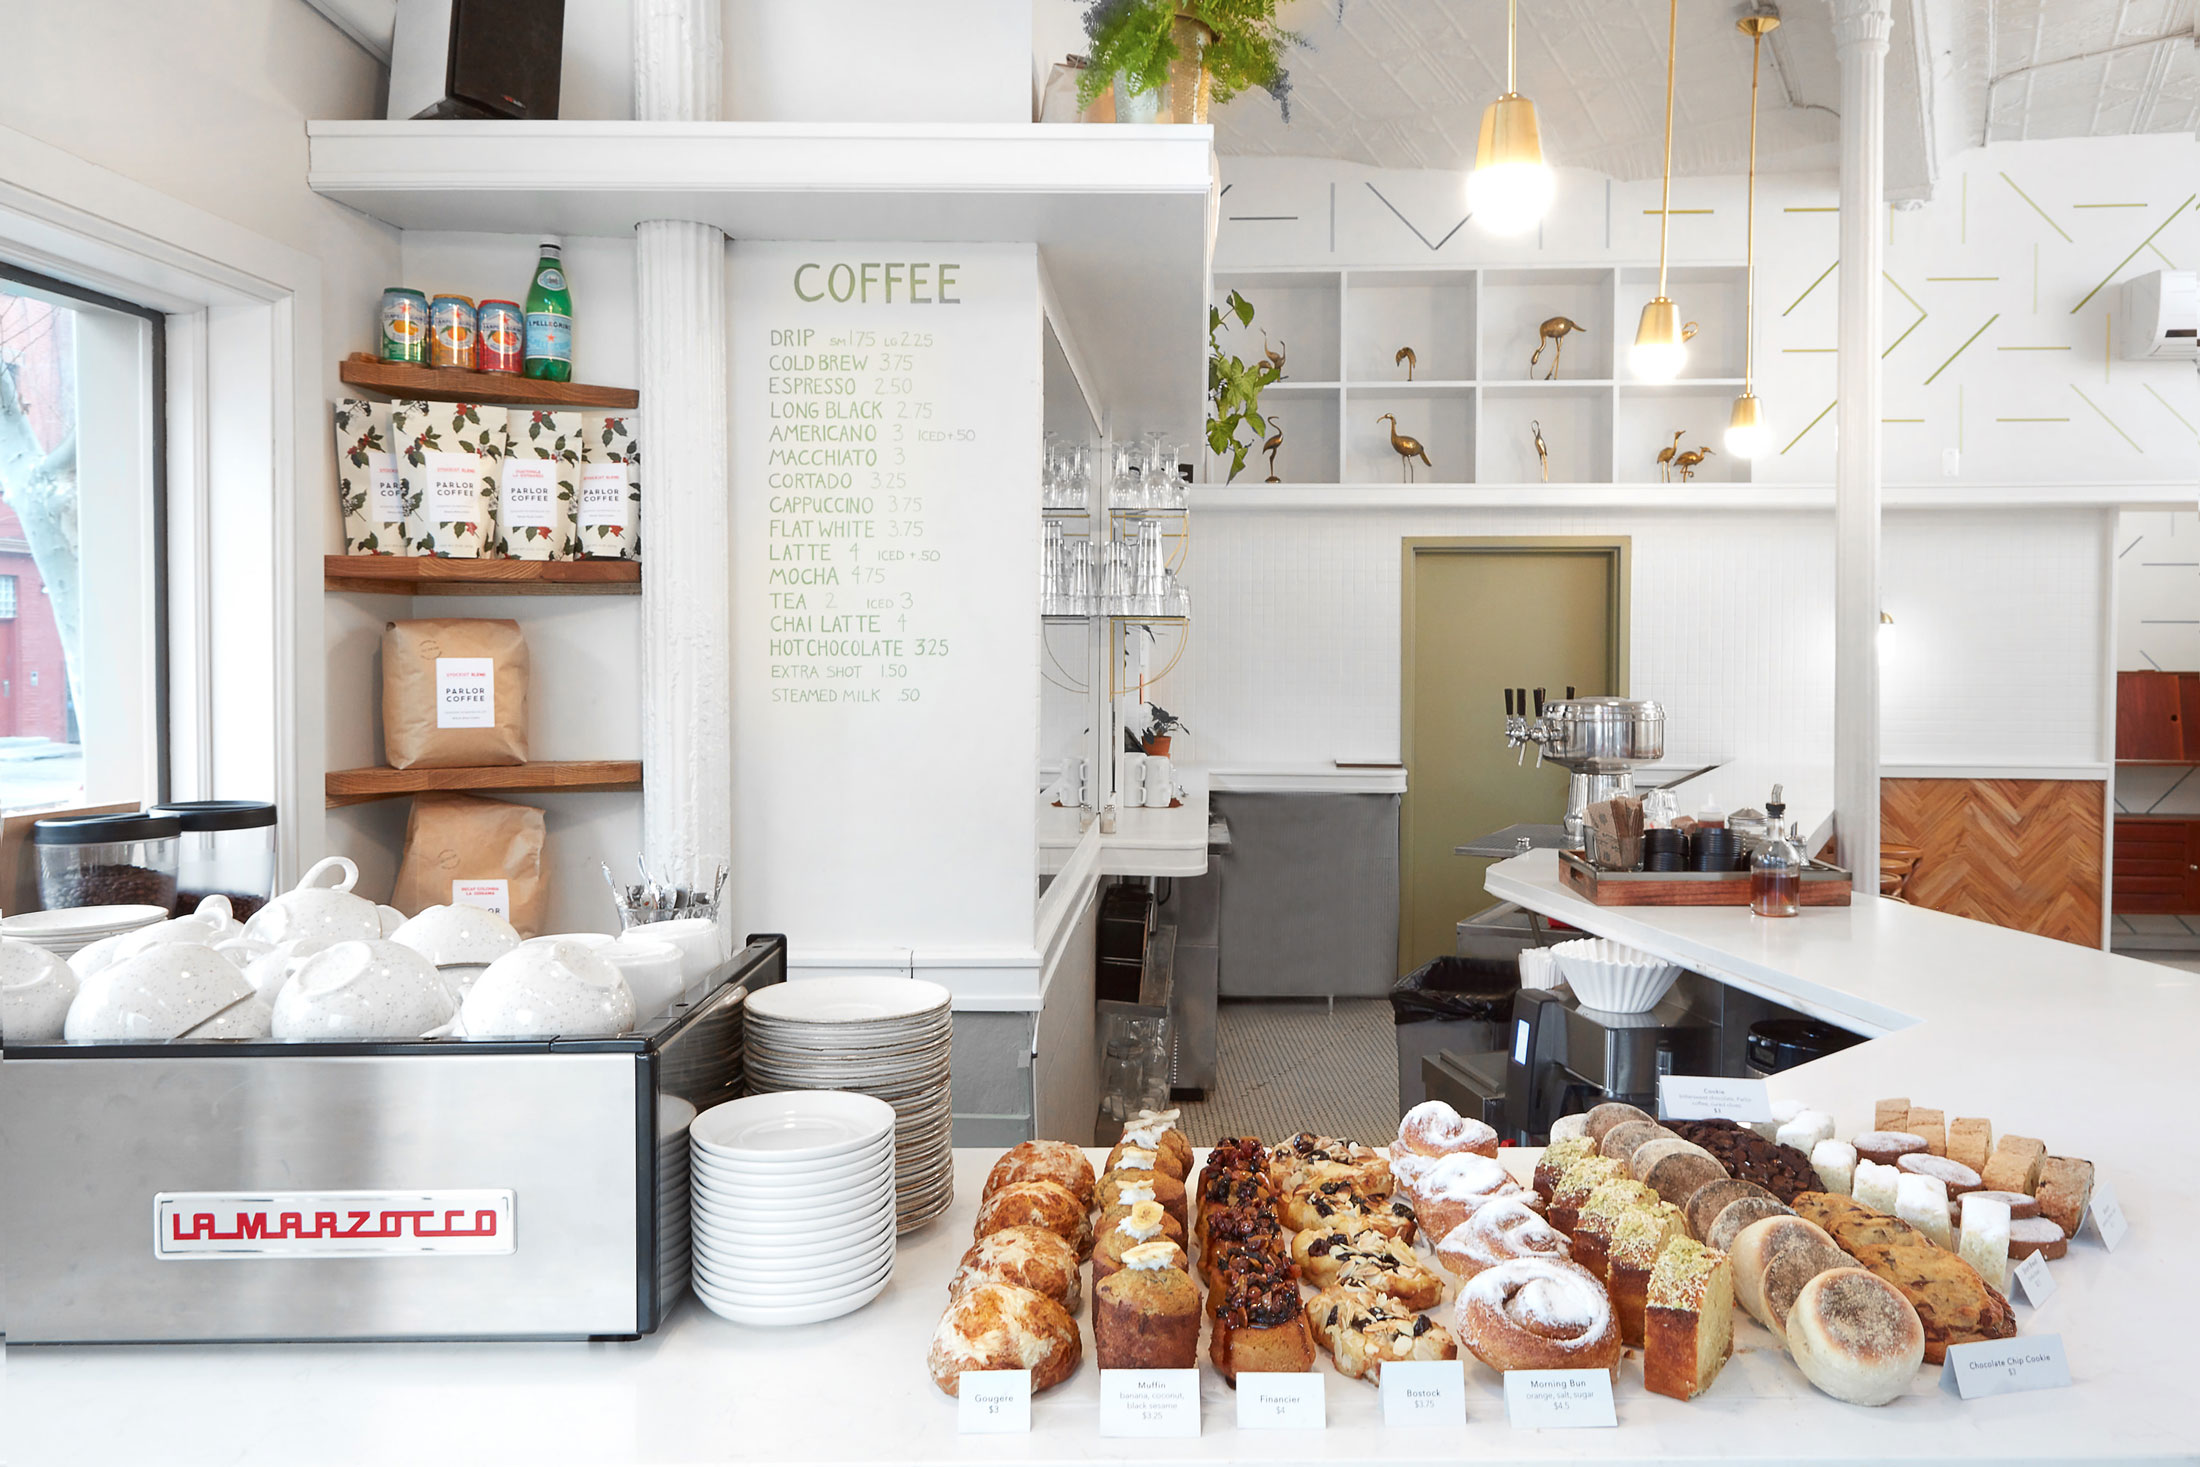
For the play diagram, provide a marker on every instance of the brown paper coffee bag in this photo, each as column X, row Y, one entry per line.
column 464, row 850
column 454, row 693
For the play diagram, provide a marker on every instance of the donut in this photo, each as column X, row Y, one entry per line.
column 1028, row 1257
column 1048, row 1205
column 1446, row 1190
column 1044, row 1161
column 1538, row 1314
column 1433, row 1128
column 1500, row 1230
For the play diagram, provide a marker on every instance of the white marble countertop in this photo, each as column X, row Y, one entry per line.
column 1166, row 842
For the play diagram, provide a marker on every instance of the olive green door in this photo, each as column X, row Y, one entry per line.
column 1480, row 616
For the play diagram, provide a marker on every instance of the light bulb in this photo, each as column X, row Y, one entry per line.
column 1746, row 432
column 1660, row 349
column 1510, row 189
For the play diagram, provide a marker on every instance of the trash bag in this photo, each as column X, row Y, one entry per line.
column 1457, row 988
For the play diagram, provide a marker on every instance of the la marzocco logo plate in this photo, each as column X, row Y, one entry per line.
column 377, row 1224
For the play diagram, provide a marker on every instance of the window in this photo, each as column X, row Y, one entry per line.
column 82, row 556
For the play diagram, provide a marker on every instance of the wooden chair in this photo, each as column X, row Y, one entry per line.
column 1897, row 869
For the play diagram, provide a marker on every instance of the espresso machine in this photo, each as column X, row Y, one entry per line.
column 1600, row 742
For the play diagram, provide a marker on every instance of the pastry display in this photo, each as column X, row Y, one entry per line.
column 1156, row 1130
column 2030, row 1235
column 1331, row 1257
column 1433, row 1128
column 1953, row 1303
column 1886, row 1147
column 1855, row 1337
column 1153, row 1158
column 1044, row 1161
column 1028, row 1257
column 1688, row 1327
column 1363, row 1331
column 1603, row 1117
column 1145, row 1315
column 1783, row 1111
column 1835, row 1164
column 1805, row 1131
column 1706, row 1202
column 1970, row 1141
column 2019, row 1205
column 1569, row 1128
column 1126, row 1228
column 1984, row 1241
column 1573, row 1189
column 1445, row 1190
column 1047, row 1205
column 1783, row 1170
column 1929, row 1126
column 1922, row 1202
column 1639, row 1239
column 1951, row 1174
column 1676, row 1177
column 1260, row 1324
column 1500, row 1230
column 1622, row 1139
column 2065, row 1188
column 2014, row 1165
column 1737, row 1215
column 1888, row 1115
column 1656, row 1149
column 1773, row 1258
column 1556, row 1157
column 992, row 1326
column 1538, row 1314
column 1307, row 1157
column 1316, row 1203
column 1875, row 1185
column 1121, row 1188
column 1599, row 1214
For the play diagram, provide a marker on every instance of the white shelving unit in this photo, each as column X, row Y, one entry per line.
column 1474, row 398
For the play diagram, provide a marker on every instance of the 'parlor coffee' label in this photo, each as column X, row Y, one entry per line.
column 530, row 494
column 465, row 692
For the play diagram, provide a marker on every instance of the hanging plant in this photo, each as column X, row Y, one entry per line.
column 1234, row 389
column 1133, row 39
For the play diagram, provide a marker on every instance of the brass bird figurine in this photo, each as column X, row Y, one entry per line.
column 1412, row 359
column 1553, row 334
column 1273, row 356
column 1542, row 449
column 1665, row 458
column 1407, row 449
column 1274, row 443
column 1687, row 462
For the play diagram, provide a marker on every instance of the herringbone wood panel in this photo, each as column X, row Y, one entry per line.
column 2022, row 853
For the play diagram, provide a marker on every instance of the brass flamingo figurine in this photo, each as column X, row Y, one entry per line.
column 1542, row 449
column 1274, row 443
column 1412, row 359
column 1665, row 458
column 1687, row 462
column 1273, row 356
column 1551, row 333
column 1407, row 449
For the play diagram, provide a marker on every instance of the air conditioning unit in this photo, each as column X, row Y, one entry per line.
column 2161, row 316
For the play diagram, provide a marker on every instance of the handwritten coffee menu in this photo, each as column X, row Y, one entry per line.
column 885, row 443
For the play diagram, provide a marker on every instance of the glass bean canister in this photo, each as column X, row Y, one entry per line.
column 227, row 849
column 107, row 860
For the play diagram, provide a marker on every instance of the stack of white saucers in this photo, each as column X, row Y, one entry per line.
column 885, row 1037
column 63, row 931
column 793, row 1212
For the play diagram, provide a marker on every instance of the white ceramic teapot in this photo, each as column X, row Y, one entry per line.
column 320, row 910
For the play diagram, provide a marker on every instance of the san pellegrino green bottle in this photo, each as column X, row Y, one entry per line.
column 550, row 318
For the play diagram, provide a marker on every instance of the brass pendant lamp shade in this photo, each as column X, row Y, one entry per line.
column 1661, row 340
column 1747, row 433
column 1510, row 188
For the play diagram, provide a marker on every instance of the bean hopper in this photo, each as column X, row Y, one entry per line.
column 1600, row 742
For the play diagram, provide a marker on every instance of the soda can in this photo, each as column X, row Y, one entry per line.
column 451, row 332
column 502, row 328
column 404, row 325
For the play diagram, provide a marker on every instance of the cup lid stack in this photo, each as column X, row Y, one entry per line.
column 884, row 1037
column 792, row 1211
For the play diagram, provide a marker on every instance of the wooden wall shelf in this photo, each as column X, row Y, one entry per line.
column 358, row 786
column 447, row 384
column 425, row 575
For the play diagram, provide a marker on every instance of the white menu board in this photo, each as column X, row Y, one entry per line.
column 886, row 558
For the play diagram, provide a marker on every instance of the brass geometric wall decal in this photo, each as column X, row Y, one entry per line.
column 2051, row 224
column 1821, row 280
column 2142, row 244
column 1959, row 351
column 1915, row 305
column 1433, row 244
column 2120, row 433
column 2180, row 417
column 1814, row 422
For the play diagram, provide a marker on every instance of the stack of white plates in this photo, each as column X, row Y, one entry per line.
column 793, row 1211
column 887, row 1037
column 67, row 929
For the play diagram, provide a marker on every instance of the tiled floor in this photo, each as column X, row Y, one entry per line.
column 1295, row 1065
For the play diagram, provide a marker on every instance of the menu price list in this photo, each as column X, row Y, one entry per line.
column 856, row 564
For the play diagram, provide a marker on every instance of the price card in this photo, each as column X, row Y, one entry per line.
column 2032, row 1276
column 1149, row 1403
column 1424, row 1393
column 1536, row 1398
column 1712, row 1097
column 993, row 1401
column 1281, row 1401
column 2107, row 1216
column 1997, row 1367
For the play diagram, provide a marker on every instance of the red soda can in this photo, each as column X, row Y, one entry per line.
column 502, row 332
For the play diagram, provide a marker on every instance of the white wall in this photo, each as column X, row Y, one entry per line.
column 2158, row 627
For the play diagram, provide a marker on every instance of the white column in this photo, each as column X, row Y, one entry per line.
column 687, row 613
column 1860, row 29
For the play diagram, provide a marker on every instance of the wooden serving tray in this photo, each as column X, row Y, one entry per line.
column 1823, row 886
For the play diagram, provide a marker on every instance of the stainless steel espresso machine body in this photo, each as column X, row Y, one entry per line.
column 427, row 1189
column 1600, row 742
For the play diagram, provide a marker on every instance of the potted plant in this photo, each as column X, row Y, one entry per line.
column 1162, row 723
column 1234, row 388
column 1206, row 50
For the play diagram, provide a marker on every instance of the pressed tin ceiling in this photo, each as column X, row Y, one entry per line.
column 1402, row 83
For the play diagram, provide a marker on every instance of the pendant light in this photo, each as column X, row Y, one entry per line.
column 1661, row 349
column 1510, row 188
column 1747, row 434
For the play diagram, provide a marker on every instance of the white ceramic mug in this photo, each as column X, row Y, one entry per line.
column 156, row 995
column 363, row 990
column 269, row 971
column 545, row 988
column 1133, row 793
column 1160, row 781
column 655, row 972
column 314, row 909
column 247, row 1018
column 456, row 934
column 36, row 989
column 701, row 949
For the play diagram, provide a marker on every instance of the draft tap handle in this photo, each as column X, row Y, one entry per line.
column 1539, row 702
column 1508, row 702
column 1569, row 692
